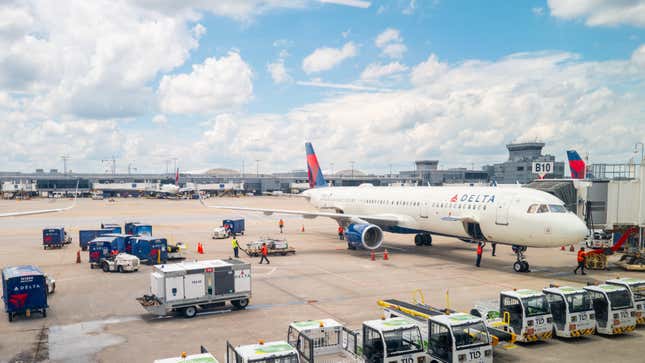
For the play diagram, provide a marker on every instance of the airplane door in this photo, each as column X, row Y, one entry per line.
column 423, row 210
column 501, row 214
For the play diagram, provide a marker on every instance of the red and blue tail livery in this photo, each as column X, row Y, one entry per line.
column 576, row 164
column 314, row 173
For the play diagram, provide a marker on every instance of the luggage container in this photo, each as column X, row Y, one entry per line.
column 637, row 289
column 55, row 237
column 613, row 308
column 138, row 229
column 274, row 247
column 103, row 247
column 234, row 225
column 150, row 249
column 123, row 243
column 271, row 352
column 188, row 286
column 113, row 226
column 24, row 290
column 87, row 235
column 573, row 314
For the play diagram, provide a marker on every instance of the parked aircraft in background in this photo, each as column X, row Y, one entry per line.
column 42, row 211
column 520, row 217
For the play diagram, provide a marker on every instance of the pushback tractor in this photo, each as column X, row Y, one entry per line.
column 613, row 308
column 573, row 314
column 526, row 311
column 324, row 340
column 394, row 340
column 637, row 289
column 271, row 352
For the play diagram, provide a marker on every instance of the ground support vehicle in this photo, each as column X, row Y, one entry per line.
column 632, row 261
column 613, row 308
column 573, row 314
column 175, row 251
column 270, row 352
column 597, row 259
column 116, row 229
column 137, row 229
column 526, row 312
column 637, row 289
column 449, row 336
column 324, row 340
column 24, row 290
column 55, row 237
column 149, row 249
column 188, row 286
column 393, row 340
column 229, row 227
column 85, row 236
column 203, row 357
column 123, row 262
column 274, row 247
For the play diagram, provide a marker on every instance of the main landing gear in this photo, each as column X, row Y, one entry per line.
column 423, row 239
column 521, row 265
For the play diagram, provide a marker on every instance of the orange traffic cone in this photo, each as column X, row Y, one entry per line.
column 372, row 256
column 386, row 256
column 200, row 248
column 78, row 256
column 562, row 249
column 571, row 249
column 303, row 228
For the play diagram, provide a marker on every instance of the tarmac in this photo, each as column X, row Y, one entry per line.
column 93, row 316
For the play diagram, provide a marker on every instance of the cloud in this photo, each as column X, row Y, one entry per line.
column 600, row 12
column 391, row 43
column 376, row 71
column 347, row 86
column 409, row 10
column 159, row 120
column 214, row 86
column 537, row 11
column 278, row 72
column 427, row 71
column 353, row 3
column 325, row 58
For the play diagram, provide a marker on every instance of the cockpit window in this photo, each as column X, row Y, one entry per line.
column 556, row 208
column 533, row 208
column 543, row 209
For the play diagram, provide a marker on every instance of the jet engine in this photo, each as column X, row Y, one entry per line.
column 370, row 236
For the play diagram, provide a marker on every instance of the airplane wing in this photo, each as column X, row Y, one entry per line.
column 42, row 211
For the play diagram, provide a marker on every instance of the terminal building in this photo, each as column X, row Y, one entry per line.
column 517, row 169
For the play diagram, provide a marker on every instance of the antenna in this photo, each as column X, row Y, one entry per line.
column 113, row 161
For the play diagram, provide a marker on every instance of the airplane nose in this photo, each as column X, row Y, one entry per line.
column 578, row 230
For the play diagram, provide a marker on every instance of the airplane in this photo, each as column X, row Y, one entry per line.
column 42, row 211
column 520, row 217
column 576, row 165
column 172, row 190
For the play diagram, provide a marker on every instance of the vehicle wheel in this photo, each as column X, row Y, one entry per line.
column 418, row 240
column 190, row 312
column 106, row 268
column 283, row 253
column 428, row 240
column 53, row 288
column 10, row 315
column 525, row 266
column 518, row 266
column 240, row 304
column 44, row 313
column 120, row 269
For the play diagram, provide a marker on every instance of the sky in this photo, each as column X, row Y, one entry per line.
column 222, row 83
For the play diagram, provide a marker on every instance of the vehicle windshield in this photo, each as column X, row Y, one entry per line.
column 620, row 299
column 534, row 306
column 556, row 208
column 291, row 358
column 579, row 302
column 403, row 340
column 639, row 291
column 468, row 335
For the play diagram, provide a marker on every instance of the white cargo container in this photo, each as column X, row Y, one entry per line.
column 189, row 286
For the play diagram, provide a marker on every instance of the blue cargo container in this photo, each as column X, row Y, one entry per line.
column 114, row 227
column 123, row 244
column 89, row 234
column 100, row 247
column 24, row 290
column 234, row 225
column 138, row 229
column 53, row 237
column 147, row 247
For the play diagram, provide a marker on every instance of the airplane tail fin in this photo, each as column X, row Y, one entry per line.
column 177, row 177
column 576, row 164
column 314, row 173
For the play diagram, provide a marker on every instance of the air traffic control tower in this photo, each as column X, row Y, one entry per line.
column 518, row 166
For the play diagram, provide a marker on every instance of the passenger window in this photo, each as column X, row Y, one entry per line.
column 543, row 208
column 533, row 208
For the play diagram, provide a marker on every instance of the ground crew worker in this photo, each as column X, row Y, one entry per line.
column 236, row 247
column 265, row 252
column 493, row 245
column 341, row 234
column 480, row 250
column 581, row 261
column 281, row 224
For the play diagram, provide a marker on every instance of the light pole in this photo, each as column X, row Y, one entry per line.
column 352, row 162
column 257, row 168
column 636, row 145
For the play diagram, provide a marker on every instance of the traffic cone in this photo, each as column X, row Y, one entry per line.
column 78, row 256
column 200, row 248
column 303, row 228
column 562, row 249
column 372, row 256
column 386, row 255
column 571, row 249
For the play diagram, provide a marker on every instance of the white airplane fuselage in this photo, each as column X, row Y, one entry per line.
column 502, row 214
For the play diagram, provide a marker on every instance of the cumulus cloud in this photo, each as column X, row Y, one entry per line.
column 391, row 43
column 214, row 86
column 326, row 58
column 376, row 71
column 600, row 12
column 353, row 3
column 427, row 71
column 278, row 72
column 160, row 120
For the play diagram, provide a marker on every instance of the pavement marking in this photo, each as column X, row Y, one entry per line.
column 266, row 273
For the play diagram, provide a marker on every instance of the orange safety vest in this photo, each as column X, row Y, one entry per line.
column 581, row 256
column 480, row 250
column 340, row 229
column 264, row 250
column 281, row 223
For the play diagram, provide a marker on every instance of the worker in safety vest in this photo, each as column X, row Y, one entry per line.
column 480, row 251
column 581, row 261
column 264, row 252
column 281, row 224
column 236, row 247
column 341, row 234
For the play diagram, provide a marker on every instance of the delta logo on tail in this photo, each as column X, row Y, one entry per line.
column 314, row 173
column 576, row 164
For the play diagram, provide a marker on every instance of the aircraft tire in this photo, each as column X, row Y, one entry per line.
column 518, row 266
column 419, row 240
column 525, row 266
column 427, row 239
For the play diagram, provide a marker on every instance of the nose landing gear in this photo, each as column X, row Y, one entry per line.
column 521, row 265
